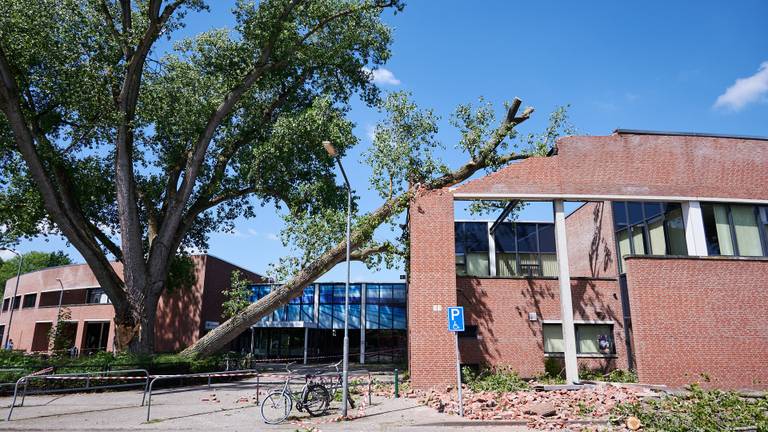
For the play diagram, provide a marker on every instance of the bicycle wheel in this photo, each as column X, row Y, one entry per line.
column 316, row 400
column 276, row 407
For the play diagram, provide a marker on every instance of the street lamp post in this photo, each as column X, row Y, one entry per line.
column 345, row 365
column 61, row 297
column 10, row 302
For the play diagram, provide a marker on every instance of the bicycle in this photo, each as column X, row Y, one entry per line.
column 277, row 405
column 335, row 386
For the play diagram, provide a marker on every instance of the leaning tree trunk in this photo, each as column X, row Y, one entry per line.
column 217, row 338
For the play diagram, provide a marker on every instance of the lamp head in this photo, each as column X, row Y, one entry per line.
column 330, row 149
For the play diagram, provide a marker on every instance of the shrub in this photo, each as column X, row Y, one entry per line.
column 496, row 379
column 701, row 410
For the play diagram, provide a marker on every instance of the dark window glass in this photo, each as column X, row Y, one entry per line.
column 504, row 237
column 470, row 331
column 308, row 312
column 16, row 302
column 459, row 237
column 635, row 212
column 526, row 237
column 29, row 301
column 652, row 209
column 6, row 302
column 710, row 229
column 385, row 317
column 475, row 237
column 547, row 238
column 619, row 214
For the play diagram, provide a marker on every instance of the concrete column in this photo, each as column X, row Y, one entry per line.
column 695, row 239
column 566, row 305
column 363, row 295
column 491, row 251
column 306, row 343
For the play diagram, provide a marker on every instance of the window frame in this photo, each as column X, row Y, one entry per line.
column 761, row 216
column 576, row 325
column 642, row 227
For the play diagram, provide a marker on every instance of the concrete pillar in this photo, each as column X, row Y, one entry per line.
column 306, row 343
column 491, row 251
column 566, row 305
column 695, row 238
column 363, row 295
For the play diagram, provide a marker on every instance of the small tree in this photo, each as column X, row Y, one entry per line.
column 58, row 339
column 237, row 295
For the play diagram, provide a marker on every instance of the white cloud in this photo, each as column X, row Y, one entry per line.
column 745, row 90
column 253, row 232
column 5, row 254
column 382, row 76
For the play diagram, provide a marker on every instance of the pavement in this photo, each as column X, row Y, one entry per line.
column 222, row 407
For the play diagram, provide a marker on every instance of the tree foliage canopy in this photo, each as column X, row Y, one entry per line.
column 136, row 146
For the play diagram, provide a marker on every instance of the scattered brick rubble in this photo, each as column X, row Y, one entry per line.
column 586, row 408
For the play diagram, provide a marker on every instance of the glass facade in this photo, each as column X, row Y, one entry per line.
column 648, row 228
column 522, row 249
column 385, row 305
column 735, row 229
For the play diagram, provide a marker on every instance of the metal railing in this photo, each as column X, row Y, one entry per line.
column 88, row 377
column 246, row 372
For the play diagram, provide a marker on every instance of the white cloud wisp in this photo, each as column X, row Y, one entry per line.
column 745, row 90
column 382, row 76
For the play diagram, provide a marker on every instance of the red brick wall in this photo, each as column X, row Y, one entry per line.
column 431, row 352
column 500, row 307
column 631, row 165
column 693, row 316
column 591, row 244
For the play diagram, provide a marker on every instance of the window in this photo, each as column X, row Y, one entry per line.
column 29, row 301
column 96, row 296
column 525, row 249
column 301, row 308
column 648, row 228
column 470, row 332
column 16, row 302
column 590, row 339
column 6, row 302
column 733, row 229
column 472, row 248
column 385, row 307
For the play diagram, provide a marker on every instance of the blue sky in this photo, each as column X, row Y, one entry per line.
column 680, row 66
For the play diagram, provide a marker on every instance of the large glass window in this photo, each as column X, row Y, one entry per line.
column 472, row 248
column 525, row 249
column 648, row 228
column 332, row 305
column 385, row 306
column 29, row 300
column 96, row 295
column 590, row 339
column 301, row 308
column 735, row 229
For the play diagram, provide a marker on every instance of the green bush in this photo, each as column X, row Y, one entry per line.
column 702, row 410
column 616, row 375
column 496, row 379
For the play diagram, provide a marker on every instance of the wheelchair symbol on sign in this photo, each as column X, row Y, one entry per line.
column 456, row 319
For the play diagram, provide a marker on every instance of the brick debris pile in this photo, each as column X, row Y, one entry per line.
column 544, row 410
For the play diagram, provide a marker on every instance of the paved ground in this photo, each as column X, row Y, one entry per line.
column 189, row 410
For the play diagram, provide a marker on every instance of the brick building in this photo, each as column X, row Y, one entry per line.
column 662, row 268
column 183, row 316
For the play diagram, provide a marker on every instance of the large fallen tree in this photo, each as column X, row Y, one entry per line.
column 404, row 165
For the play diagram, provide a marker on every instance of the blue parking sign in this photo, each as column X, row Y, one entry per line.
column 456, row 319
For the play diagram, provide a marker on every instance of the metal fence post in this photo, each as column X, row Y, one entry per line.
column 257, row 388
column 397, row 386
column 369, row 387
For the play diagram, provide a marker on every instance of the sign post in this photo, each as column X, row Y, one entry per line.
column 456, row 325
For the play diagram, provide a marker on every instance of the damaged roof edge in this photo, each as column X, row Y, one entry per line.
column 693, row 134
